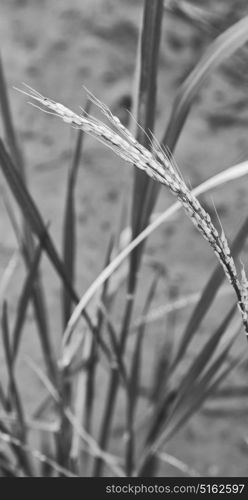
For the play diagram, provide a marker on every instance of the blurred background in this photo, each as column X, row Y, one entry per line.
column 59, row 47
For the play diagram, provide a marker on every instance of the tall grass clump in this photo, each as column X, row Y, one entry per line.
column 92, row 341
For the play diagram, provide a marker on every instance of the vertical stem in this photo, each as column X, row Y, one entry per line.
column 149, row 53
column 112, row 393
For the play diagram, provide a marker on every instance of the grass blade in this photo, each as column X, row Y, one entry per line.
column 8, row 274
column 90, row 391
column 43, row 459
column 223, row 47
column 220, row 179
column 81, row 407
column 145, row 116
column 197, row 378
column 69, row 256
column 15, row 399
column 203, row 358
column 146, row 107
column 134, row 382
column 16, row 402
column 33, row 217
column 69, row 239
column 92, row 446
column 178, row 464
column 36, row 293
column 17, row 157
column 199, row 393
column 9, row 130
column 23, row 302
column 69, row 228
column 208, row 295
column 199, row 16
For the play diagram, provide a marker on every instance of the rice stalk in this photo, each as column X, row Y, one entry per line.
column 215, row 181
column 158, row 166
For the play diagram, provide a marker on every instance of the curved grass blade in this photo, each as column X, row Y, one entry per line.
column 226, row 176
column 223, row 47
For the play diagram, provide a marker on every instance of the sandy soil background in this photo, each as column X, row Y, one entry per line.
column 58, row 46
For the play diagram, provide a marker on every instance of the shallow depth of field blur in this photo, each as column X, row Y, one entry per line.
column 59, row 47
